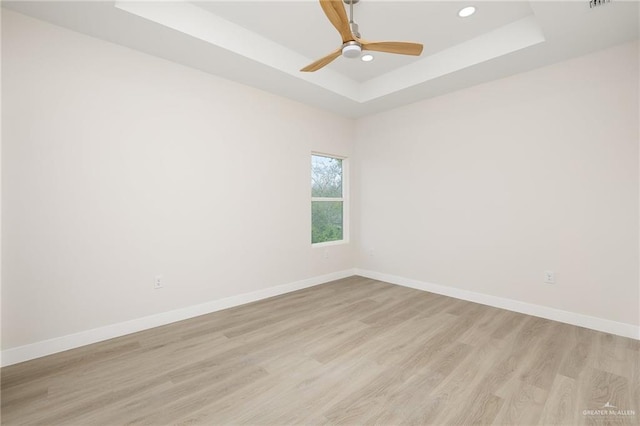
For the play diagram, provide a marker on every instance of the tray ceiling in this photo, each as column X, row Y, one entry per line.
column 265, row 43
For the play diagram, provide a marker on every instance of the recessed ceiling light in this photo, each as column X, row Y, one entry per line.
column 467, row 11
column 367, row 58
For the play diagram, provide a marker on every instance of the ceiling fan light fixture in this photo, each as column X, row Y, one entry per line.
column 366, row 58
column 352, row 46
column 351, row 50
column 465, row 12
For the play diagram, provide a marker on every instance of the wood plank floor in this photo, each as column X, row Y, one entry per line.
column 354, row 351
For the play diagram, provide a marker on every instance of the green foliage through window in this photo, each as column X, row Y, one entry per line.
column 326, row 222
column 327, row 206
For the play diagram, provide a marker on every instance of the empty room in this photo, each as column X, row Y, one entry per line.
column 296, row 212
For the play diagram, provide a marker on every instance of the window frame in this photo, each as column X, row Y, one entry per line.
column 344, row 199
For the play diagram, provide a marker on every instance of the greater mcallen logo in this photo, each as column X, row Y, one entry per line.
column 608, row 410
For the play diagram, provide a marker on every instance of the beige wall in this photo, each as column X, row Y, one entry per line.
column 119, row 166
column 486, row 188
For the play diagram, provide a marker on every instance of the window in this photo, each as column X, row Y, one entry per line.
column 328, row 208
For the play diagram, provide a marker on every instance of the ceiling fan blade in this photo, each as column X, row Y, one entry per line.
column 334, row 9
column 323, row 61
column 400, row 47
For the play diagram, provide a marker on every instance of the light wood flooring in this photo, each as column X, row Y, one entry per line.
column 354, row 351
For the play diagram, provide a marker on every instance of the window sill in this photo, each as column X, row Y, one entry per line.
column 330, row 243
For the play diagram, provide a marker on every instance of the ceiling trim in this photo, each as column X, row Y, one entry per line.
column 507, row 39
column 196, row 22
column 204, row 25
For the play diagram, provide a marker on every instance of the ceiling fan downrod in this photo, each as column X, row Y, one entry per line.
column 354, row 27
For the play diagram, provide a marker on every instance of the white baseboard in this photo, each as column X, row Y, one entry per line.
column 60, row 344
column 594, row 323
column 71, row 341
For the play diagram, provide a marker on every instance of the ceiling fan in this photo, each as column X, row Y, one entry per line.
column 352, row 44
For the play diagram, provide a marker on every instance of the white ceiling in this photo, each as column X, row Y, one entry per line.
column 264, row 43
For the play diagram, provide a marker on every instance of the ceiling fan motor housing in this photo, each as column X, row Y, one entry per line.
column 351, row 49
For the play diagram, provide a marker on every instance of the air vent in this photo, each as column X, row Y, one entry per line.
column 597, row 3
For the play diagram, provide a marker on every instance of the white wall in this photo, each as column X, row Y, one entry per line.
column 0, row 187
column 118, row 166
column 484, row 189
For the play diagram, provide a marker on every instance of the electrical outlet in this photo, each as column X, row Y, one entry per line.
column 549, row 277
column 158, row 282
